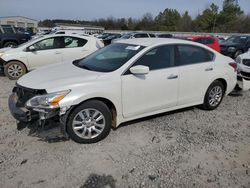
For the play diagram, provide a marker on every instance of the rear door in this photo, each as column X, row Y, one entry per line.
column 75, row 48
column 196, row 68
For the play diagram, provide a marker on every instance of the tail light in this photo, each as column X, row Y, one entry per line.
column 234, row 65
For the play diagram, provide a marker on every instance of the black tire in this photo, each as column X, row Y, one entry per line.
column 10, row 44
column 14, row 70
column 237, row 53
column 91, row 107
column 207, row 104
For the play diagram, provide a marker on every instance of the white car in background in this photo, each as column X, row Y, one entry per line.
column 243, row 62
column 46, row 50
column 126, row 80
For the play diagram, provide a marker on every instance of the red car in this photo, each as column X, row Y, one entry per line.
column 210, row 41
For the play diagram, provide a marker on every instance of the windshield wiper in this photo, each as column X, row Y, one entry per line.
column 76, row 63
column 85, row 67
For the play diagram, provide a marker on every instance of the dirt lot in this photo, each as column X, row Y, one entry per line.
column 187, row 148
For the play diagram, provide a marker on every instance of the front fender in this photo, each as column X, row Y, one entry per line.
column 109, row 91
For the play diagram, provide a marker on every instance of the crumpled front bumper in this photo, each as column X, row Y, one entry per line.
column 2, row 63
column 21, row 113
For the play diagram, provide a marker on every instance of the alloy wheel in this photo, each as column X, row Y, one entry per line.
column 215, row 96
column 88, row 123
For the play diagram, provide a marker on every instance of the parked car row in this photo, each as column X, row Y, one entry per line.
column 126, row 80
column 232, row 46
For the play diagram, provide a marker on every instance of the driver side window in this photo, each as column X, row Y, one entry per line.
column 50, row 43
column 158, row 58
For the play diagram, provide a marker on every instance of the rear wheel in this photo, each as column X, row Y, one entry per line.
column 214, row 96
column 14, row 70
column 90, row 122
column 10, row 44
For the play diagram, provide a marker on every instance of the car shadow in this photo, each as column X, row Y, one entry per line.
column 154, row 117
column 50, row 132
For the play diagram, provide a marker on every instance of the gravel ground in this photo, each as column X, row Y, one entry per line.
column 186, row 148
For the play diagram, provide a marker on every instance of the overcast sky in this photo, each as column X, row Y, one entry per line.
column 94, row 9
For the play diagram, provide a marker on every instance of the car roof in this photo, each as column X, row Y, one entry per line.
column 155, row 41
column 67, row 35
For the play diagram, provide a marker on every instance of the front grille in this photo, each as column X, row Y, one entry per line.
column 246, row 74
column 246, row 62
column 24, row 94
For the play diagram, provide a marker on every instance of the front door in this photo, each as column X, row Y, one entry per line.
column 47, row 51
column 157, row 90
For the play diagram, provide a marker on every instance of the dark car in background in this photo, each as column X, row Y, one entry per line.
column 164, row 35
column 104, row 35
column 108, row 39
column 10, row 37
column 235, row 45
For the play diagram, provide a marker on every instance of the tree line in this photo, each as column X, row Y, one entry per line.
column 231, row 18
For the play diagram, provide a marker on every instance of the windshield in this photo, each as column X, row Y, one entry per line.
column 31, row 40
column 238, row 39
column 126, row 36
column 110, row 58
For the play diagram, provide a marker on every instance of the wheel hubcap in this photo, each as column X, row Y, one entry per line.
column 215, row 96
column 88, row 123
column 15, row 70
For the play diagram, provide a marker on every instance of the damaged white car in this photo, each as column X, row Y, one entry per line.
column 126, row 80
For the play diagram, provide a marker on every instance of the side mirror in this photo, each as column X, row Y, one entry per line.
column 139, row 70
column 31, row 48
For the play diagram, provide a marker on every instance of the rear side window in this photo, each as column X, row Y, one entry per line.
column 189, row 54
column 141, row 35
column 73, row 42
column 205, row 40
column 7, row 29
column 158, row 58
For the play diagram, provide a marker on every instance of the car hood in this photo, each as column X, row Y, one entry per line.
column 53, row 77
column 245, row 55
column 9, row 50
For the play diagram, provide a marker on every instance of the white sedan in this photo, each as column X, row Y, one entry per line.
column 243, row 61
column 126, row 80
column 46, row 50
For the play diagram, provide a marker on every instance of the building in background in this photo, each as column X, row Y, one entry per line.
column 88, row 29
column 20, row 22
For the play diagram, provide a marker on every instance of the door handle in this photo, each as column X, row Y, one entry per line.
column 172, row 76
column 209, row 69
column 57, row 52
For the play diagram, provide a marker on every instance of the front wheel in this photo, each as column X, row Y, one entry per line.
column 90, row 122
column 14, row 70
column 213, row 96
